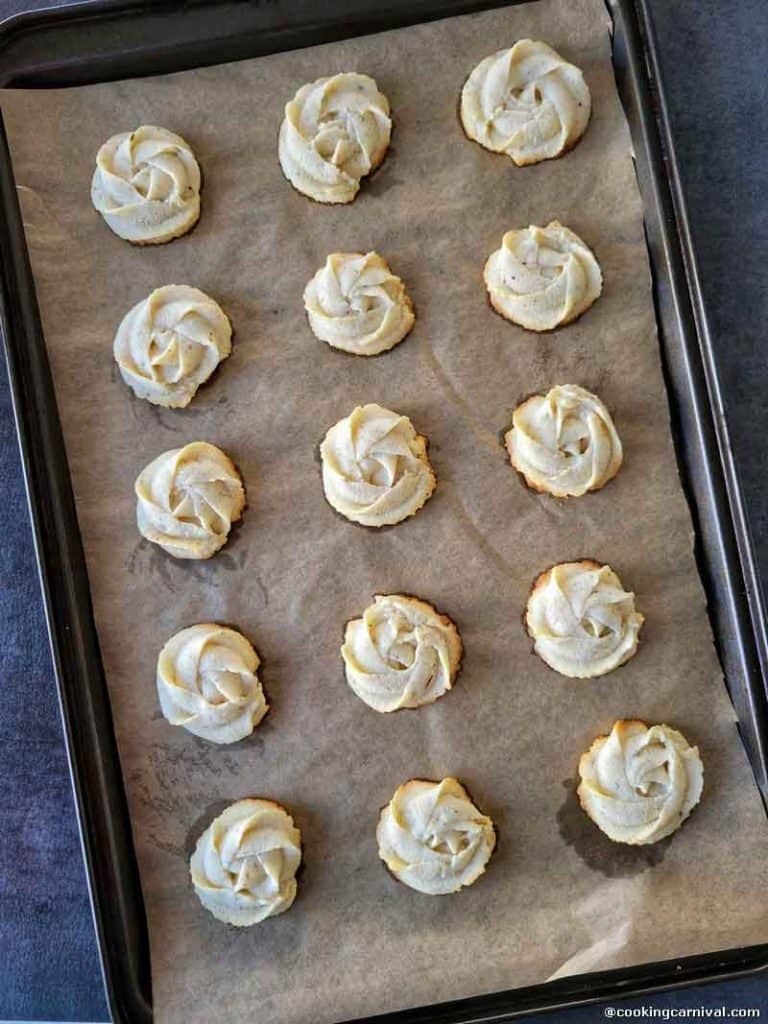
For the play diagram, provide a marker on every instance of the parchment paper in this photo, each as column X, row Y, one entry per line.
column 558, row 897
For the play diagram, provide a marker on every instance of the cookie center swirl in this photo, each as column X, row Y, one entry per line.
column 201, row 502
column 401, row 653
column 639, row 783
column 156, row 172
column 244, row 864
column 581, row 620
column 337, row 140
column 176, row 352
column 533, row 263
column 375, row 467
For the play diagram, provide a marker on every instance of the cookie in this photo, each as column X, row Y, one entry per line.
column 335, row 132
column 187, row 500
column 582, row 623
column 402, row 653
column 433, row 838
column 146, row 185
column 527, row 102
column 564, row 443
column 207, row 683
column 170, row 343
column 375, row 467
column 640, row 783
column 355, row 303
column 244, row 865
column 542, row 278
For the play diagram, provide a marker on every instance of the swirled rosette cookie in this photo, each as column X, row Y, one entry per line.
column 207, row 683
column 170, row 343
column 542, row 278
column 640, row 783
column 336, row 130
column 357, row 304
column 244, row 865
column 433, row 838
column 375, row 467
column 188, row 499
column 526, row 102
column 146, row 185
column 564, row 442
column 582, row 623
column 401, row 653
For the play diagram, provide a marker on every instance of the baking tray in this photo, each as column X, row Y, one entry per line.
column 88, row 43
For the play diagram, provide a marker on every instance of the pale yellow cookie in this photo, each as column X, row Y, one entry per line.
column 564, row 443
column 640, row 783
column 542, row 278
column 146, row 185
column 433, row 838
column 170, row 343
column 187, row 500
column 244, row 865
column 402, row 653
column 335, row 132
column 375, row 467
column 527, row 102
column 207, row 683
column 582, row 623
column 355, row 303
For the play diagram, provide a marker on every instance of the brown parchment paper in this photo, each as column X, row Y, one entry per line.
column 558, row 897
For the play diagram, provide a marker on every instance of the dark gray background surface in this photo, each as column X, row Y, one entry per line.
column 714, row 66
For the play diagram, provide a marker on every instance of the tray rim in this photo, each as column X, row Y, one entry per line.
column 67, row 598
column 755, row 592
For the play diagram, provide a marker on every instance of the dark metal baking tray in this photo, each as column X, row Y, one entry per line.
column 113, row 39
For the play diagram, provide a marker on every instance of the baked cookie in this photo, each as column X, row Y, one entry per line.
column 207, row 683
column 244, row 865
column 564, row 443
column 433, row 838
column 146, row 185
column 375, row 467
column 336, row 131
column 542, row 278
column 401, row 653
column 640, row 783
column 356, row 303
column 187, row 500
column 527, row 102
column 582, row 623
column 170, row 343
